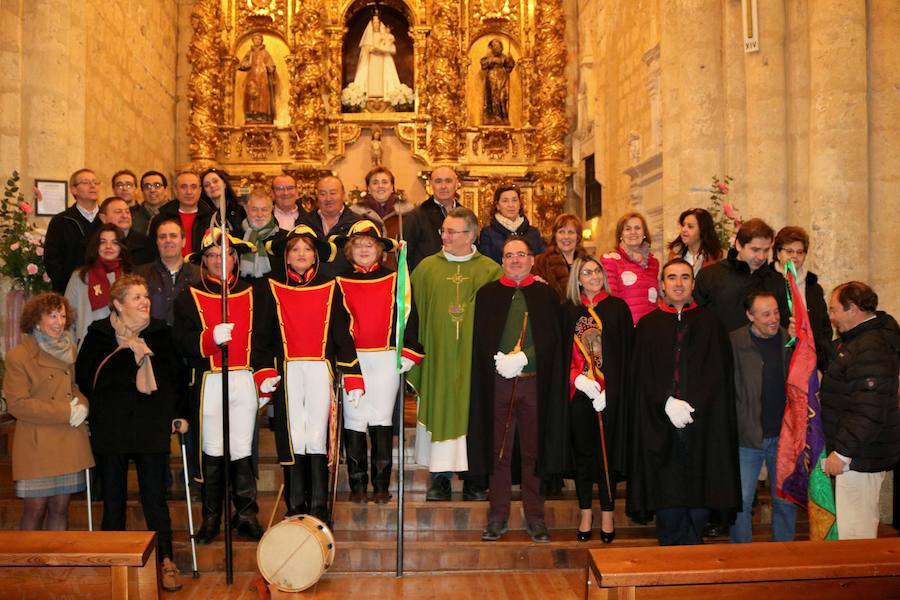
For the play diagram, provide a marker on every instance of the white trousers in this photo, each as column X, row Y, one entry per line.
column 242, row 407
column 308, row 394
column 379, row 370
column 856, row 502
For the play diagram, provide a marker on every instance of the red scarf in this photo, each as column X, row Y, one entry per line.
column 98, row 283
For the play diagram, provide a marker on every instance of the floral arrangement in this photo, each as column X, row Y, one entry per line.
column 724, row 215
column 353, row 97
column 401, row 98
column 21, row 242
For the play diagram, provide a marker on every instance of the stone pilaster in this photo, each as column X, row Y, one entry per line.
column 838, row 141
column 884, row 142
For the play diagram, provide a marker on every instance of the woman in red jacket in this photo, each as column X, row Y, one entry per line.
column 632, row 271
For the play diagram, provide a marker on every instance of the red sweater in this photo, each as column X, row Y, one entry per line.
column 628, row 280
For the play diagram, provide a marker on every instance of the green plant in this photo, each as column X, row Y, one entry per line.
column 723, row 213
column 21, row 242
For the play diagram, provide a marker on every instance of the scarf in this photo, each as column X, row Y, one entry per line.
column 98, row 282
column 256, row 264
column 510, row 224
column 641, row 257
column 382, row 210
column 127, row 336
column 801, row 276
column 62, row 348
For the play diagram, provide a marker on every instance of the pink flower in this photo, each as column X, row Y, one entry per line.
column 14, row 246
column 45, row 277
column 31, row 269
column 723, row 188
column 38, row 194
column 26, row 208
column 729, row 211
column 39, row 250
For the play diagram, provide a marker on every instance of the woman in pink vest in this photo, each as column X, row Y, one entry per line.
column 631, row 269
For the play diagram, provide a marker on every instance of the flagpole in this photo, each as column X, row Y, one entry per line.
column 226, row 428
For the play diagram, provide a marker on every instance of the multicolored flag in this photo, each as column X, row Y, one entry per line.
column 404, row 300
column 801, row 446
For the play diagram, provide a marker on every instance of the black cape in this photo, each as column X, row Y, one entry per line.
column 696, row 466
column 492, row 304
column 617, row 341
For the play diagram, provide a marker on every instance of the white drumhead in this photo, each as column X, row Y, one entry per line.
column 295, row 553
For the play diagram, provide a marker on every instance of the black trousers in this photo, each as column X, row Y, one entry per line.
column 151, row 470
column 586, row 450
column 680, row 525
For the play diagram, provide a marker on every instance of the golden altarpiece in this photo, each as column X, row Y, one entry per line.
column 275, row 87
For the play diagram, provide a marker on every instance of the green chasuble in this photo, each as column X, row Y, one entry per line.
column 444, row 293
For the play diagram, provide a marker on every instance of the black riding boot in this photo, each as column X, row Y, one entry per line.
column 296, row 486
column 212, row 492
column 318, row 478
column 243, row 496
column 382, row 448
column 356, row 447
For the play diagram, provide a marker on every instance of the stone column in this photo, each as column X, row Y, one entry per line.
column 797, row 80
column 734, row 82
column 884, row 140
column 693, row 102
column 11, row 45
column 766, row 109
column 838, row 141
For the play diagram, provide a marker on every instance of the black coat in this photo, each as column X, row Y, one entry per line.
column 617, row 339
column 859, row 396
column 169, row 210
column 123, row 420
column 234, row 215
column 421, row 230
column 492, row 238
column 492, row 304
column 696, row 466
column 65, row 244
column 340, row 265
column 724, row 286
column 141, row 250
column 161, row 288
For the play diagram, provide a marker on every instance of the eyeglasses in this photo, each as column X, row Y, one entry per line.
column 88, row 182
column 590, row 272
column 123, row 185
column 284, row 188
column 442, row 231
column 218, row 255
column 510, row 255
column 152, row 186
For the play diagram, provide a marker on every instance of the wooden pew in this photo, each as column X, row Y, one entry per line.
column 129, row 555
column 858, row 569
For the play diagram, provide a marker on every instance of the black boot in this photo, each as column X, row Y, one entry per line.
column 356, row 446
column 212, row 492
column 243, row 496
column 382, row 448
column 318, row 479
column 296, row 486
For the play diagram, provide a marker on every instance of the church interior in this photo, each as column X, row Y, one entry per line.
column 591, row 107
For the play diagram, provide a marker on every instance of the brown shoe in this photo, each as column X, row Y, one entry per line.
column 170, row 580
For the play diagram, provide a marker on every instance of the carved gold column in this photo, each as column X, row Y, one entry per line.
column 204, row 85
column 444, row 90
column 550, row 81
column 307, row 106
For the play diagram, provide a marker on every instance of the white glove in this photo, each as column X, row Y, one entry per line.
column 679, row 412
column 78, row 413
column 406, row 364
column 510, row 365
column 599, row 403
column 590, row 388
column 269, row 384
column 222, row 333
column 354, row 396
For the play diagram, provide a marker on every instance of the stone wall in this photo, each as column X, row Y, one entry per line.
column 87, row 84
column 808, row 126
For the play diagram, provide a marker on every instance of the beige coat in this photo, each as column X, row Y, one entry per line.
column 38, row 389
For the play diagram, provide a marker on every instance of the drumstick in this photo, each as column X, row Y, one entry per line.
column 275, row 506
column 291, row 555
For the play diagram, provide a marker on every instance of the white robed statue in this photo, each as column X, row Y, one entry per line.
column 376, row 72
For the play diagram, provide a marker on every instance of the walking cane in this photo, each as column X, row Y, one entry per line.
column 609, row 491
column 512, row 398
column 335, row 464
column 187, row 496
column 90, row 511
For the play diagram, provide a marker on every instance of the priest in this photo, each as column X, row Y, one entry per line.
column 517, row 389
column 684, row 428
column 444, row 286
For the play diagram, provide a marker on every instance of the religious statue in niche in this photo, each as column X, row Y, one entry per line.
column 377, row 150
column 259, row 85
column 377, row 60
column 497, row 67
